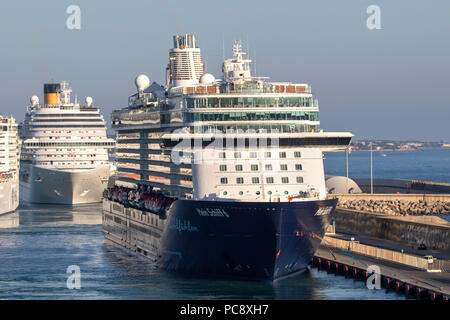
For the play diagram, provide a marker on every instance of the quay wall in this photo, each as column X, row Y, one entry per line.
column 380, row 253
column 393, row 196
column 396, row 204
column 399, row 229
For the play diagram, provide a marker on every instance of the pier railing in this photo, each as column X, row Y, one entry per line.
column 425, row 263
column 391, row 196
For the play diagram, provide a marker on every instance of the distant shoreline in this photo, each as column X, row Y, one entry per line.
column 391, row 150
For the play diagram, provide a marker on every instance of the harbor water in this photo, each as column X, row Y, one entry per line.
column 428, row 165
column 39, row 242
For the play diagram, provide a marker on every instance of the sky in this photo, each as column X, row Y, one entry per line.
column 387, row 83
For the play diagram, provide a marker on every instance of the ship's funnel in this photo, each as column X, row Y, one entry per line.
column 185, row 62
column 51, row 93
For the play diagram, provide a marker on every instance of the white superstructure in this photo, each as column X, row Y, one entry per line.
column 237, row 68
column 185, row 62
column 64, row 150
column 9, row 164
column 241, row 138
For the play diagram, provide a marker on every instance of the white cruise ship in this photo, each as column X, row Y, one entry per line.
column 222, row 176
column 9, row 165
column 64, row 157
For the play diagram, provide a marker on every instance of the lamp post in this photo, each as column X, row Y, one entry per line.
column 371, row 169
column 346, row 153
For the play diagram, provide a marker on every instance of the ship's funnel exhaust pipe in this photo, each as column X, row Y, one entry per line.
column 51, row 93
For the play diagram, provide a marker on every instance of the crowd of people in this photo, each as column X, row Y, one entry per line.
column 143, row 198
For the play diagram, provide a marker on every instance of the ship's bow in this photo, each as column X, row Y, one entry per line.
column 249, row 240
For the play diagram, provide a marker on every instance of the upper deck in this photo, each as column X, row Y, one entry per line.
column 60, row 134
column 236, row 101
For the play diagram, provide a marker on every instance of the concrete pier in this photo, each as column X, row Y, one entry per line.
column 401, row 278
column 390, row 252
column 410, row 231
column 396, row 204
column 391, row 232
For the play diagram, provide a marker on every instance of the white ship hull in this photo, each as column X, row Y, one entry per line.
column 42, row 185
column 9, row 195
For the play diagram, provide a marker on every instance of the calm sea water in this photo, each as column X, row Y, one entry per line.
column 39, row 242
column 429, row 165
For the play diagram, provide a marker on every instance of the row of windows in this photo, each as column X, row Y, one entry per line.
column 251, row 116
column 69, row 131
column 68, row 120
column 249, row 102
column 254, row 155
column 69, row 163
column 83, row 149
column 68, row 144
column 256, row 180
column 70, row 137
column 68, row 126
column 62, row 115
column 255, row 167
column 71, row 155
column 301, row 193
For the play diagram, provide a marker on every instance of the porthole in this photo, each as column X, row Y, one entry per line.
column 225, row 193
column 241, row 193
column 258, row 193
column 286, row 192
column 269, row 192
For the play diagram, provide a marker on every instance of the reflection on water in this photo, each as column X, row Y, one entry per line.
column 44, row 214
column 9, row 220
column 41, row 241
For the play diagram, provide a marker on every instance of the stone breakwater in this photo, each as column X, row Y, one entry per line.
column 397, row 207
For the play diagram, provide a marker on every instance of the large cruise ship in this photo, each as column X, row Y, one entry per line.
column 221, row 177
column 64, row 158
column 9, row 165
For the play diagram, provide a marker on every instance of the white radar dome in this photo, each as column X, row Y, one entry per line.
column 34, row 100
column 142, row 82
column 207, row 78
column 89, row 101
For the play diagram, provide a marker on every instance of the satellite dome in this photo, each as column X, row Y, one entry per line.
column 207, row 78
column 341, row 185
column 34, row 100
column 89, row 101
column 142, row 82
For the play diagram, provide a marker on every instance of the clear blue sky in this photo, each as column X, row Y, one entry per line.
column 392, row 83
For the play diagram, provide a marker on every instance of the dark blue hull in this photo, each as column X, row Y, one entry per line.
column 246, row 240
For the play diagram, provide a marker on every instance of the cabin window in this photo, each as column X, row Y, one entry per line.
column 283, row 167
column 254, row 167
column 240, row 180
column 223, row 180
column 223, row 167
column 285, row 180
column 299, row 179
column 269, row 180
column 238, row 167
column 298, row 166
